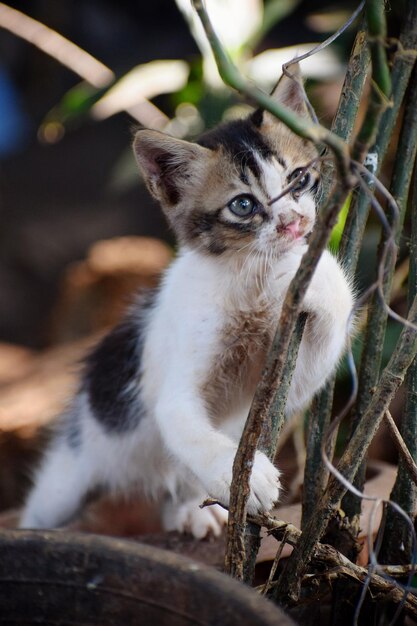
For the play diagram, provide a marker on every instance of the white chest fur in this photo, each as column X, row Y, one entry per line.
column 212, row 325
column 205, row 346
column 214, row 320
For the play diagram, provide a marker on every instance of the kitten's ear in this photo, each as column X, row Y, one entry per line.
column 168, row 164
column 288, row 91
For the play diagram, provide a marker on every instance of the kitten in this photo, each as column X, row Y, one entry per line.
column 164, row 396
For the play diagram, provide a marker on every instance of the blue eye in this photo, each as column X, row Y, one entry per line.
column 242, row 206
column 302, row 182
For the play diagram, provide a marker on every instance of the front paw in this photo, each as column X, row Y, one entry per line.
column 330, row 293
column 264, row 485
column 188, row 517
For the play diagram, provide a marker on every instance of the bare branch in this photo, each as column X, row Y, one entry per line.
column 56, row 46
column 401, row 447
column 341, row 566
column 393, row 375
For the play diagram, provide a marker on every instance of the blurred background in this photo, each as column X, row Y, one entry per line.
column 67, row 175
column 79, row 231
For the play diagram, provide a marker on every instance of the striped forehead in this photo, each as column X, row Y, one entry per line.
column 242, row 142
column 272, row 178
column 260, row 167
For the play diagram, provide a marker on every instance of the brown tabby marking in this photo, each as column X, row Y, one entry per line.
column 246, row 339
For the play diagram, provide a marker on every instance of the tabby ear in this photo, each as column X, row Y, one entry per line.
column 169, row 165
column 289, row 92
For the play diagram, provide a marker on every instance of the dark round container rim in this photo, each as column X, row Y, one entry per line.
column 129, row 549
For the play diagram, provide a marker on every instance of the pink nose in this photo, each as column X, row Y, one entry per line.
column 293, row 228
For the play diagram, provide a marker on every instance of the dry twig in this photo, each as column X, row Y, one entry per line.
column 337, row 565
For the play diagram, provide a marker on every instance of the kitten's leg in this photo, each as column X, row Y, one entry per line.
column 328, row 302
column 69, row 470
column 60, row 487
column 181, row 510
column 187, row 516
column 188, row 434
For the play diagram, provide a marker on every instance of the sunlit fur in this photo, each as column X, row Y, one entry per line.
column 204, row 339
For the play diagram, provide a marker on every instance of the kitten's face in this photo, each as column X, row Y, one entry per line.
column 237, row 207
column 219, row 194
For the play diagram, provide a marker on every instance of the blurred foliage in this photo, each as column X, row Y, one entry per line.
column 243, row 24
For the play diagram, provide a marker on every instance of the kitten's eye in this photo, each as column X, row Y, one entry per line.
column 243, row 206
column 303, row 181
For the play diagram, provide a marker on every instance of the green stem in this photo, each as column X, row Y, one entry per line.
column 355, row 226
column 231, row 76
column 315, row 475
column 349, row 251
column 377, row 316
column 377, row 34
column 350, row 99
column 381, row 80
column 397, row 541
column 269, row 438
column 403, row 65
column 288, row 586
column 276, row 415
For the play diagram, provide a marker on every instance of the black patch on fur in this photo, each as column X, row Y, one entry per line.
column 112, row 377
column 241, row 227
column 315, row 187
column 249, row 161
column 281, row 161
column 257, row 117
column 216, row 248
column 199, row 223
column 240, row 139
column 244, row 178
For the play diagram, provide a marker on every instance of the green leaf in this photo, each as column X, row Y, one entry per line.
column 337, row 231
column 143, row 82
column 73, row 107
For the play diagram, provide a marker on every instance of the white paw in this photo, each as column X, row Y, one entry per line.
column 264, row 484
column 188, row 517
column 329, row 289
